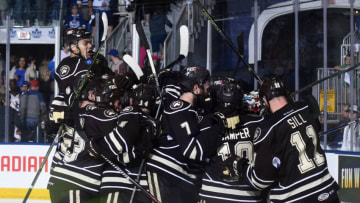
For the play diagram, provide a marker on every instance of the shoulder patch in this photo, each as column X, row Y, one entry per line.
column 257, row 134
column 109, row 113
column 90, row 107
column 176, row 104
column 128, row 109
column 64, row 70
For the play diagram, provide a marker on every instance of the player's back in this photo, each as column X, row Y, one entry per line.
column 219, row 183
column 289, row 155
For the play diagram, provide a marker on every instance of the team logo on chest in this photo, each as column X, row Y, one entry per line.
column 64, row 70
column 257, row 134
column 109, row 113
column 176, row 105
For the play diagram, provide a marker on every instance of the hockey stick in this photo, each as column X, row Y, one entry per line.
column 133, row 65
column 130, row 179
column 227, row 39
column 77, row 93
column 339, row 127
column 184, row 46
column 323, row 79
column 140, row 30
column 137, row 180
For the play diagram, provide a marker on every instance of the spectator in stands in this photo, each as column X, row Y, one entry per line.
column 74, row 20
column 32, row 106
column 14, row 121
column 346, row 65
column 3, row 7
column 51, row 68
column 99, row 6
column 21, row 73
column 351, row 132
column 2, row 76
column 65, row 52
column 117, row 65
column 22, row 12
column 24, row 87
column 157, row 21
column 83, row 5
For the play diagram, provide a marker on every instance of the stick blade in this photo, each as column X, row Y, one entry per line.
column 184, row 40
column 133, row 65
column 105, row 23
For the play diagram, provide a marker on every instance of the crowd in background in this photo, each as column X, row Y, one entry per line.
column 29, row 76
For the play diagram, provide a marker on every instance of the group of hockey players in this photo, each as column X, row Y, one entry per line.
column 191, row 142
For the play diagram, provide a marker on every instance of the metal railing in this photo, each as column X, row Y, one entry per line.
column 190, row 15
column 120, row 37
column 340, row 87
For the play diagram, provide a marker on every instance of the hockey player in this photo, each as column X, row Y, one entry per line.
column 176, row 163
column 220, row 183
column 75, row 175
column 289, row 158
column 128, row 143
column 73, row 67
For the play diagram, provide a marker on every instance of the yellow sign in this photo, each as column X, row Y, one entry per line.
column 330, row 101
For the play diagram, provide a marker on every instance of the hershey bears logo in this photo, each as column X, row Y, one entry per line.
column 257, row 134
column 128, row 109
column 109, row 113
column 64, row 70
column 176, row 105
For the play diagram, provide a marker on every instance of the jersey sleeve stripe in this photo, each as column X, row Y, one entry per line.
column 325, row 170
column 302, row 188
column 188, row 147
column 267, row 133
column 116, row 143
column 230, row 191
column 122, row 139
column 111, row 149
column 201, row 150
column 77, row 175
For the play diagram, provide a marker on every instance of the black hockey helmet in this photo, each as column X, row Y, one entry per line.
column 229, row 94
column 73, row 35
column 189, row 76
column 144, row 96
column 273, row 87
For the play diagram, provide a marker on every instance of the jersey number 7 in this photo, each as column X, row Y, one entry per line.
column 307, row 164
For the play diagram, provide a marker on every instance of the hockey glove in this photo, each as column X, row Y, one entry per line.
column 240, row 167
column 232, row 117
column 220, row 119
column 167, row 77
column 123, row 82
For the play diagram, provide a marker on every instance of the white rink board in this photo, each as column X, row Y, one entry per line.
column 18, row 166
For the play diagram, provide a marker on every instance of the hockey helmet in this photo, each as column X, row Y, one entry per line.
column 73, row 35
column 189, row 76
column 144, row 96
column 229, row 93
column 272, row 87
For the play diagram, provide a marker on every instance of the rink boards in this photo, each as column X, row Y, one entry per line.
column 20, row 162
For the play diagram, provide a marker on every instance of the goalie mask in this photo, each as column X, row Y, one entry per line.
column 144, row 96
column 230, row 95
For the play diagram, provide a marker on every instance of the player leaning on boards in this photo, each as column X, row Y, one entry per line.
column 186, row 141
column 289, row 158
